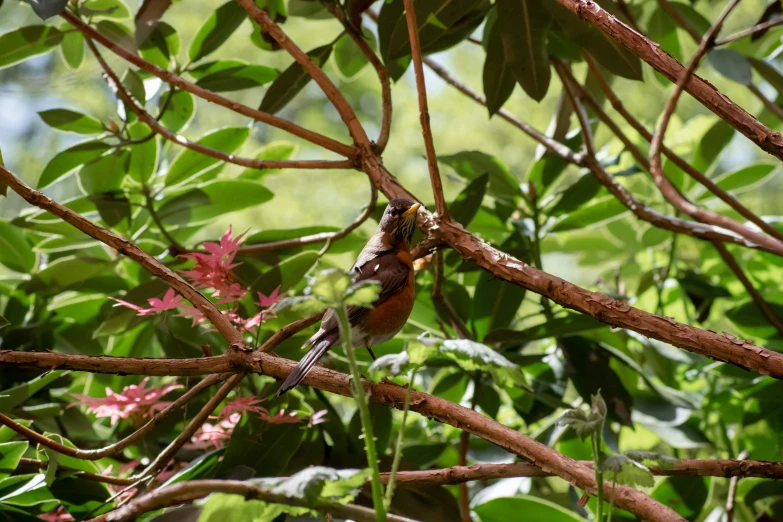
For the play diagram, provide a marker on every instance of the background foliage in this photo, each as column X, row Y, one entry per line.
column 64, row 132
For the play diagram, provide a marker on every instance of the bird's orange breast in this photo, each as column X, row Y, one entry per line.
column 391, row 315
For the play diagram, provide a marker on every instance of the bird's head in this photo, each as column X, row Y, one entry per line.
column 399, row 220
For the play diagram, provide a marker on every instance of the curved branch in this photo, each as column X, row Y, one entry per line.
column 764, row 26
column 424, row 114
column 111, row 449
column 329, row 89
column 172, row 79
column 191, row 490
column 35, row 464
column 677, row 160
column 127, row 248
column 323, row 237
column 116, row 85
column 668, row 190
column 767, row 139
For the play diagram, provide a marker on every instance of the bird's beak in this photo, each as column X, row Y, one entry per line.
column 411, row 211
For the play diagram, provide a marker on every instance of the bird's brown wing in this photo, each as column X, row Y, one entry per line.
column 389, row 270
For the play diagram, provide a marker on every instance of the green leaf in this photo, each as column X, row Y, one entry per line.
column 714, row 141
column 468, row 202
column 113, row 207
column 498, row 80
column 46, row 8
column 732, row 65
column 622, row 470
column 685, row 495
column 189, row 164
column 222, row 506
column 238, row 78
column 104, row 174
column 71, row 121
column 472, row 356
column 262, row 446
column 143, row 156
column 662, row 29
column 474, row 164
column 576, row 195
column 10, row 398
column 318, row 483
column 162, row 46
column 291, row 81
column 523, row 28
column 570, row 324
column 769, row 71
column 68, row 271
column 275, row 151
column 72, row 49
column 179, row 110
column 23, row 43
column 747, row 317
column 495, row 304
column 744, row 178
column 228, row 196
column 215, row 31
column 10, row 454
column 200, row 467
column 546, row 171
column 15, row 251
column 595, row 212
column 104, row 9
column 349, row 59
column 524, row 509
column 66, row 161
column 285, row 274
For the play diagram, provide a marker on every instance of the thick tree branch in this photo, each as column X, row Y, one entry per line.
column 588, row 10
column 327, row 86
column 116, row 85
column 191, row 490
column 424, row 113
column 383, row 393
column 127, row 248
column 172, row 79
column 323, row 237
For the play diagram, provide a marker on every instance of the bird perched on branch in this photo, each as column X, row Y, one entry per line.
column 385, row 258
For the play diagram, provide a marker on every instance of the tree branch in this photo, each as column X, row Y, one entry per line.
column 767, row 139
column 750, row 31
column 172, row 79
column 127, row 248
column 424, row 114
column 329, row 89
column 34, row 464
column 194, row 489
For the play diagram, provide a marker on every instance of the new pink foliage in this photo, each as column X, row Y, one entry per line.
column 134, row 400
column 169, row 302
column 61, row 515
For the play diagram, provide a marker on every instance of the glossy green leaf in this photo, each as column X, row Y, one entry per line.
column 189, row 164
column 72, row 49
column 348, row 57
column 286, row 274
column 662, row 29
column 15, row 251
column 228, row 196
column 595, row 212
column 769, row 71
column 71, row 121
column 732, row 65
column 498, row 80
column 66, row 161
column 215, row 31
column 468, row 202
column 143, row 156
column 576, row 195
column 237, row 78
column 104, row 174
column 473, row 164
column 523, row 26
column 570, row 324
column 23, row 43
column 276, row 151
column 10, row 454
column 113, row 207
column 747, row 317
column 162, row 45
column 743, row 179
column 262, row 446
column 292, row 81
column 524, row 509
column 711, row 145
column 198, row 468
column 10, row 398
column 179, row 110
column 495, row 304
column 685, row 495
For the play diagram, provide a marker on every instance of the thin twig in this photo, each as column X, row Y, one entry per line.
column 312, row 239
column 770, row 105
column 754, row 294
column 663, row 183
column 732, row 494
column 172, row 79
column 386, row 98
column 440, row 300
column 34, row 464
column 123, row 93
column 424, row 114
column 750, row 31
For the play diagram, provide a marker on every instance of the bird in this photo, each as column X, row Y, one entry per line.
column 385, row 258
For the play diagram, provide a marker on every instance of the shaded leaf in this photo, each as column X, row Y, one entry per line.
column 524, row 509
column 291, row 81
column 732, row 65
column 468, row 202
column 216, row 29
column 348, row 57
column 66, row 161
column 237, row 78
column 15, row 251
column 474, row 164
column 71, row 121
column 189, row 164
column 179, row 110
column 26, row 42
column 498, row 80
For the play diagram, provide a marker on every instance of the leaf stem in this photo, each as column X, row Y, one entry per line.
column 599, row 474
column 364, row 413
column 398, row 445
column 611, row 503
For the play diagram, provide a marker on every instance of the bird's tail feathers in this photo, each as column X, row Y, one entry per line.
column 306, row 364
